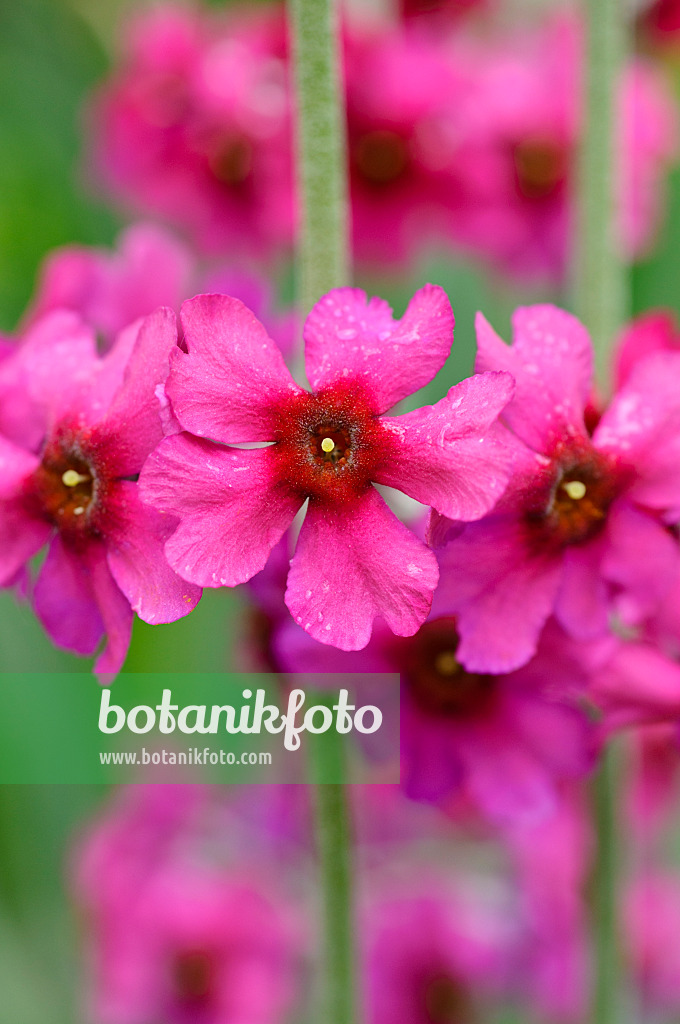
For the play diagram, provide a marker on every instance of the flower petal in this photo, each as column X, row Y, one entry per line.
column 642, row 428
column 451, row 455
column 501, row 592
column 642, row 559
column 134, row 417
column 39, row 380
column 349, row 336
column 231, row 510
column 353, row 564
column 582, row 605
column 233, row 375
column 65, row 601
column 116, row 614
column 138, row 563
column 551, row 360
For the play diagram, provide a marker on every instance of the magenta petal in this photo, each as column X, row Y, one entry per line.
column 21, row 537
column 116, row 614
column 138, row 564
column 134, row 417
column 349, row 336
column 353, row 564
column 232, row 378
column 642, row 427
column 65, row 601
column 582, row 604
column 231, row 510
column 501, row 592
column 642, row 559
column 638, row 685
column 551, row 361
column 41, row 378
column 450, row 455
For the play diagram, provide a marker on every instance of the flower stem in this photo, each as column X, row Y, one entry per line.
column 601, row 301
column 601, row 279
column 321, row 150
column 324, row 264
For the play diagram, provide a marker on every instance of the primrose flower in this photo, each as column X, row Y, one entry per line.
column 582, row 530
column 148, row 268
column 400, row 90
column 194, row 126
column 651, row 332
column 174, row 938
column 354, row 560
column 435, row 956
column 503, row 742
column 88, row 423
column 517, row 131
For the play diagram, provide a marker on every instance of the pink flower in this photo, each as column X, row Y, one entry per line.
column 581, row 530
column 517, row 131
column 438, row 12
column 434, row 955
column 195, row 127
column 176, row 939
column 88, row 424
column 354, row 560
column 148, row 268
column 401, row 90
column 502, row 741
column 661, row 21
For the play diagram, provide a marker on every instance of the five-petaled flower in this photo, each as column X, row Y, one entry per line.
column 354, row 560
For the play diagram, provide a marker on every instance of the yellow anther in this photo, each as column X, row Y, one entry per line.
column 446, row 664
column 328, row 444
column 576, row 489
column 71, row 478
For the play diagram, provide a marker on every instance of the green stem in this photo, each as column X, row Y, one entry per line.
column 321, row 150
column 600, row 273
column 323, row 265
column 601, row 301
column 607, row 992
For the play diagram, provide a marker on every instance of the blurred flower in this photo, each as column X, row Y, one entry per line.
column 553, row 860
column 582, row 529
column 401, row 91
column 517, row 133
column 503, row 741
column 354, row 560
column 436, row 12
column 661, row 21
column 176, row 939
column 434, row 957
column 194, row 126
column 86, row 426
column 148, row 268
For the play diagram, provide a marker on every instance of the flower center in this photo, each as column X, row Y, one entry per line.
column 64, row 487
column 381, row 157
column 540, row 167
column 193, row 978
column 447, row 1001
column 436, row 680
column 579, row 501
column 329, row 444
column 232, row 160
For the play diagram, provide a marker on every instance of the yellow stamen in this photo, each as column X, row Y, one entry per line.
column 71, row 478
column 446, row 664
column 328, row 444
column 576, row 489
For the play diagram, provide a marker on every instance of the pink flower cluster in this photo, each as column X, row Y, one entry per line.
column 452, row 138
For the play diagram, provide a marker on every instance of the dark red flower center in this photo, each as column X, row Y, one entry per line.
column 579, row 501
column 540, row 167
column 64, row 487
column 447, row 1001
column 436, row 680
column 381, row 156
column 194, row 977
column 329, row 444
column 231, row 160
